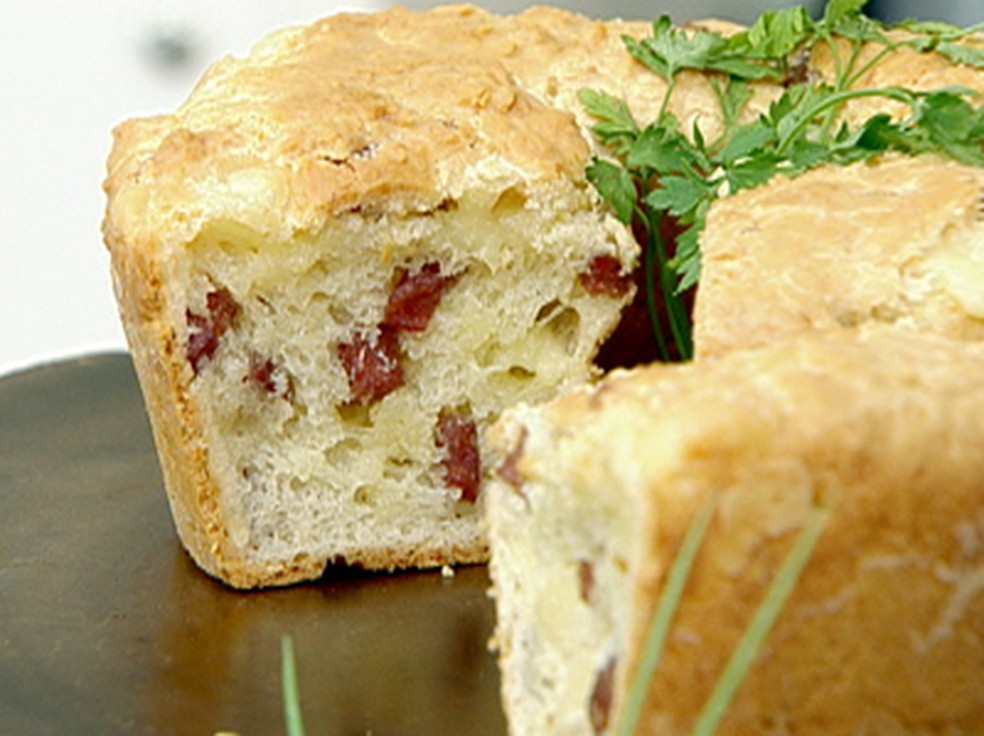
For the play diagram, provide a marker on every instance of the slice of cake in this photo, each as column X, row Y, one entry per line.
column 878, row 432
column 336, row 263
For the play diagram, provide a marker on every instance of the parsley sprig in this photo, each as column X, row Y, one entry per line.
column 660, row 178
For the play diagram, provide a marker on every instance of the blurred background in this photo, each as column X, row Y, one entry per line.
column 71, row 71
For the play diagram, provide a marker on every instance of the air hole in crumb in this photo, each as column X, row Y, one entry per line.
column 585, row 580
column 317, row 298
column 342, row 452
column 547, row 310
column 564, row 326
column 365, row 496
column 521, row 373
column 340, row 314
column 511, row 200
column 398, row 469
column 356, row 415
column 487, row 352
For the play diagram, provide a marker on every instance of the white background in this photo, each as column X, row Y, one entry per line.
column 69, row 71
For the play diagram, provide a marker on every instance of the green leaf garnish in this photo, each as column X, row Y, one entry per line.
column 960, row 54
column 678, row 194
column 839, row 10
column 775, row 34
column 615, row 185
column 290, row 692
column 686, row 261
column 945, row 121
column 615, row 127
column 662, row 149
column 658, row 175
column 931, row 27
column 747, row 141
column 669, row 50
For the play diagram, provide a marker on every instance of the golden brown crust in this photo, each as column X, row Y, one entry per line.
column 161, row 368
column 881, row 633
column 840, row 246
column 354, row 111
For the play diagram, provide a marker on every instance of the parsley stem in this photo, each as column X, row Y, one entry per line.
column 665, row 105
column 868, row 65
column 838, row 64
column 844, row 82
column 657, row 262
column 676, row 312
column 849, row 76
column 834, row 100
column 679, row 319
column 653, row 262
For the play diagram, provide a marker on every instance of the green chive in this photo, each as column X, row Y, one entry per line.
column 291, row 695
column 669, row 599
column 758, row 628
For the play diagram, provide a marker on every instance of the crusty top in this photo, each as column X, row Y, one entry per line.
column 398, row 111
column 394, row 111
column 391, row 112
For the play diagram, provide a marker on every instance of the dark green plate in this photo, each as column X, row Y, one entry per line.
column 107, row 627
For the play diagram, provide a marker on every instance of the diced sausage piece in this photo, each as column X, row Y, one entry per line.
column 600, row 705
column 509, row 469
column 373, row 365
column 415, row 297
column 206, row 330
column 604, row 277
column 458, row 436
column 269, row 377
column 202, row 343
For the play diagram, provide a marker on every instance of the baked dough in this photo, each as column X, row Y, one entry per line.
column 883, row 631
column 344, row 254
column 340, row 258
column 898, row 242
